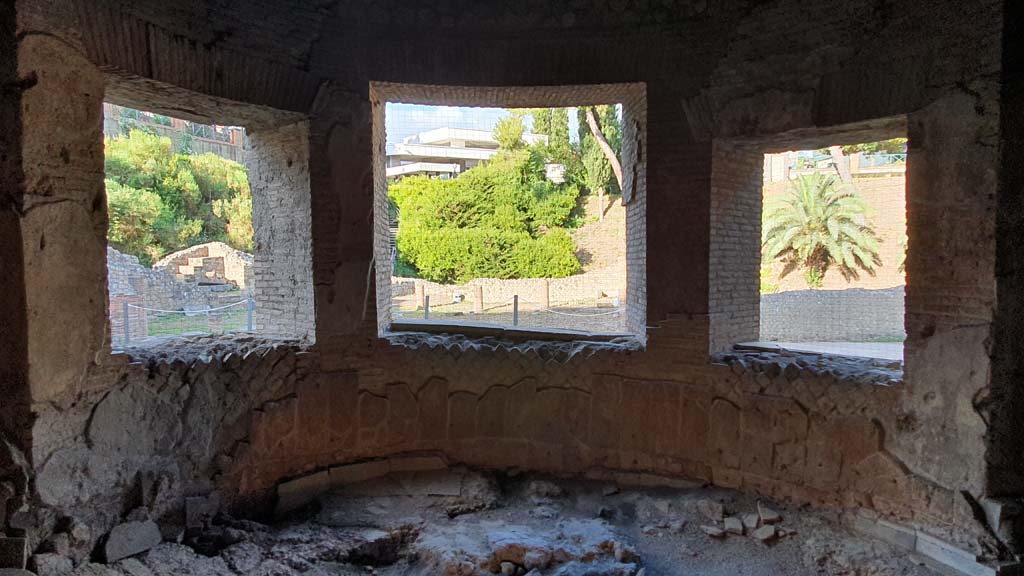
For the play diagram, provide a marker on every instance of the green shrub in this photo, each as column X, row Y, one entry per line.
column 501, row 219
column 195, row 198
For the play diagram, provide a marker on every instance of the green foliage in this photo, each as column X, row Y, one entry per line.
column 598, row 170
column 509, row 133
column 501, row 219
column 891, row 146
column 591, row 156
column 179, row 200
column 553, row 123
column 769, row 284
column 818, row 225
column 132, row 215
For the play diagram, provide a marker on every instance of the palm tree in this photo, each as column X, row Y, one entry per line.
column 818, row 225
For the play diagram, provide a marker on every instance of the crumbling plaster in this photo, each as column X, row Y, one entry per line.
column 239, row 422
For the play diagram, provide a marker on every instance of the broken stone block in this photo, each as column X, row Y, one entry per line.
column 713, row 531
column 417, row 464
column 734, row 525
column 301, row 491
column 766, row 533
column 542, row 490
column 623, row 553
column 13, row 552
column 751, row 521
column 131, row 538
column 52, row 564
column 243, row 557
column 767, row 515
column 354, row 473
column 711, row 510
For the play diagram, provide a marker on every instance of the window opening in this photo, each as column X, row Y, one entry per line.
column 834, row 241
column 180, row 228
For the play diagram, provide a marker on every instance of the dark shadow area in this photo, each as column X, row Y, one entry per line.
column 15, row 416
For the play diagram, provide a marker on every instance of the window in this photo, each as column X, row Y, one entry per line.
column 834, row 242
column 515, row 211
column 187, row 208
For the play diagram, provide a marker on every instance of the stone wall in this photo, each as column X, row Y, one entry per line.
column 155, row 287
column 212, row 261
column 774, row 75
column 851, row 315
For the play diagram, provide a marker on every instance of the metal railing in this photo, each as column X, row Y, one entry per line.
column 581, row 315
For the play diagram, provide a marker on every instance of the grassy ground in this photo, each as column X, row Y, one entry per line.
column 229, row 320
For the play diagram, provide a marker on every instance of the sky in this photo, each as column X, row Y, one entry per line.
column 401, row 120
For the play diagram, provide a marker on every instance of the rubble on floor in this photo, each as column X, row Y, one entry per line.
column 463, row 523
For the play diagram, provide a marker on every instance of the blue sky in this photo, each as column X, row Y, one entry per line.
column 401, row 120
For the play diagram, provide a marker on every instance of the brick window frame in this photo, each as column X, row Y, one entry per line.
column 276, row 156
column 632, row 97
column 734, row 255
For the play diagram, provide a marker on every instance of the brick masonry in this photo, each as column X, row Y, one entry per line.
column 278, row 164
column 775, row 75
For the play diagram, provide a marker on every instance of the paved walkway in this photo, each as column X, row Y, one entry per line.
column 880, row 350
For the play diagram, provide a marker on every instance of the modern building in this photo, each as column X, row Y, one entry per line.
column 445, row 152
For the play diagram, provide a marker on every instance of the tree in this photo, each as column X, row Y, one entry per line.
column 179, row 200
column 509, row 133
column 598, row 173
column 816, row 226
column 839, row 153
column 132, row 219
column 606, row 148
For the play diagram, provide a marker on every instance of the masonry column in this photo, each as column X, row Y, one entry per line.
column 341, row 184
column 278, row 162
column 15, row 420
column 63, row 212
column 678, row 217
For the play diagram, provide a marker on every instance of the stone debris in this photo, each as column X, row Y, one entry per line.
column 734, row 525
column 711, row 510
column 751, row 521
column 13, row 552
column 767, row 515
column 52, row 564
column 404, row 530
column 766, row 534
column 544, row 490
column 713, row 531
column 131, row 538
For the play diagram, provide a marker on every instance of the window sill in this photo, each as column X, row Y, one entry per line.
column 464, row 336
column 775, row 361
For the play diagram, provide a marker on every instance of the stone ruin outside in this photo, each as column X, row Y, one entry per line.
column 98, row 444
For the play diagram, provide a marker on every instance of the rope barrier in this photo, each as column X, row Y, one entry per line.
column 205, row 310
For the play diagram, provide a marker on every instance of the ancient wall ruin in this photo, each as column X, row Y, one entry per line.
column 239, row 417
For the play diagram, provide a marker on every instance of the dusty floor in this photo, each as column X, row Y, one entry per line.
column 460, row 523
